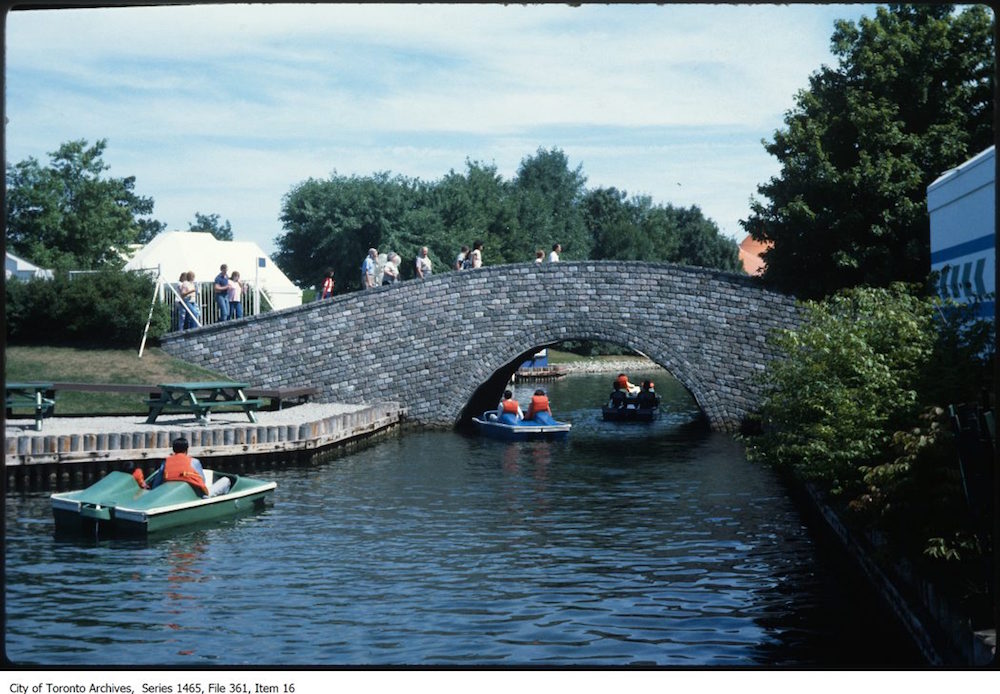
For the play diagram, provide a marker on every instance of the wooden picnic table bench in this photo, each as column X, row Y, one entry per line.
column 279, row 396
column 38, row 397
column 200, row 398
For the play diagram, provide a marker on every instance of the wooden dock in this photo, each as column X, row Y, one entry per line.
column 540, row 373
column 58, row 460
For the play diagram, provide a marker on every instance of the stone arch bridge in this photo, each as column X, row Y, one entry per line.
column 445, row 347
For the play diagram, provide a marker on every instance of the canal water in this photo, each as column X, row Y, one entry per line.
column 626, row 545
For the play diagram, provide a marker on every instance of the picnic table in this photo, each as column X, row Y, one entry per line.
column 35, row 396
column 200, row 398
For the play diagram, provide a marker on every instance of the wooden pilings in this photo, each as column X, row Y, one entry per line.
column 74, row 461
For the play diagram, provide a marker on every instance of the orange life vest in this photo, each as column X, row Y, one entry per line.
column 510, row 406
column 178, row 468
column 539, row 403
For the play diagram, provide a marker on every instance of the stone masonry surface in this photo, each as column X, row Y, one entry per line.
column 432, row 344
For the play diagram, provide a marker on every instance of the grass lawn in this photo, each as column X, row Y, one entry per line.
column 99, row 366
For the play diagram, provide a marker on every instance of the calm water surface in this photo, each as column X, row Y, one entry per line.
column 625, row 545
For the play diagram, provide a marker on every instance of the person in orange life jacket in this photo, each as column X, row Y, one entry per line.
column 509, row 406
column 629, row 388
column 539, row 403
column 180, row 467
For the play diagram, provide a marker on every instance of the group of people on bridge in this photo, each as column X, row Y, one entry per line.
column 379, row 270
column 227, row 288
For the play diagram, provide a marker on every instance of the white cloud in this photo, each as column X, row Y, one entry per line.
column 226, row 107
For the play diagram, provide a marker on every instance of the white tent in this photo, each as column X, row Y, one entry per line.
column 173, row 252
column 22, row 269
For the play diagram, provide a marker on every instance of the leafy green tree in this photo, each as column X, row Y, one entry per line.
column 211, row 224
column 635, row 229
column 698, row 241
column 333, row 223
column 549, row 194
column 614, row 227
column 910, row 98
column 68, row 215
column 479, row 205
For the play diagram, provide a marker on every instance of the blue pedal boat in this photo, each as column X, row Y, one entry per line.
column 509, row 428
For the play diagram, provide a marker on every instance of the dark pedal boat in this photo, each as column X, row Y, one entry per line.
column 629, row 414
column 644, row 408
column 118, row 505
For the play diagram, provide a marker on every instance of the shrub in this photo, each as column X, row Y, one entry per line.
column 845, row 384
column 107, row 308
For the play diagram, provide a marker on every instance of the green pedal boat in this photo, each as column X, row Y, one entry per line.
column 117, row 504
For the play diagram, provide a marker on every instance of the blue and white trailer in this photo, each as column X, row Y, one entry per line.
column 962, row 208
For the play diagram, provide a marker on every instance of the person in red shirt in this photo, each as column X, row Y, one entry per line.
column 327, row 290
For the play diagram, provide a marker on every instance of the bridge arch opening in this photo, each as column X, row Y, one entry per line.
column 487, row 395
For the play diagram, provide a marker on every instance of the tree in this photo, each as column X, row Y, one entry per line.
column 66, row 215
column 333, row 223
column 613, row 224
column 210, row 223
column 480, row 205
column 910, row 98
column 846, row 380
column 699, row 242
column 549, row 196
column 635, row 229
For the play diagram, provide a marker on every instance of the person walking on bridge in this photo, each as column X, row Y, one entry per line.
column 222, row 292
column 461, row 259
column 368, row 269
column 326, row 291
column 423, row 264
column 476, row 255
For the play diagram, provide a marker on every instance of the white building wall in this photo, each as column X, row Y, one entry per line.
column 962, row 204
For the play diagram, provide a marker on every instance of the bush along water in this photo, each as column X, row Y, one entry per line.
column 859, row 406
column 105, row 308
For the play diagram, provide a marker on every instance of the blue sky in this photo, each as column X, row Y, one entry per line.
column 224, row 108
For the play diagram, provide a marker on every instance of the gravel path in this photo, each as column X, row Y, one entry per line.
column 59, row 426
column 610, row 365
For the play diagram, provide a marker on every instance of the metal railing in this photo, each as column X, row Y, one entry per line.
column 208, row 309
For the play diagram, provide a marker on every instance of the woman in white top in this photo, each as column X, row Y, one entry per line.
column 235, row 294
column 477, row 254
column 189, row 292
column 390, row 272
